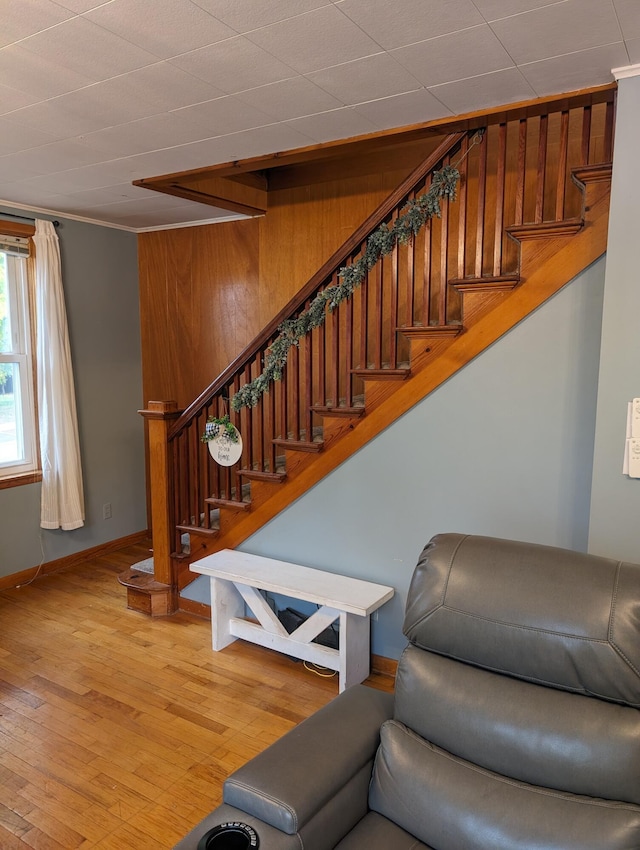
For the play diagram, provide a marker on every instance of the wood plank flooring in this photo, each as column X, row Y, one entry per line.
column 117, row 731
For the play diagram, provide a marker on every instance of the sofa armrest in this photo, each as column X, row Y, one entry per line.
column 292, row 781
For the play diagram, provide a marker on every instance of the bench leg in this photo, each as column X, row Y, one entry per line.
column 226, row 603
column 355, row 661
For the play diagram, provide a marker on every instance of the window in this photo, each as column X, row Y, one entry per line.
column 17, row 411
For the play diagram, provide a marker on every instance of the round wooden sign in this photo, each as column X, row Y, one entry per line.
column 223, row 450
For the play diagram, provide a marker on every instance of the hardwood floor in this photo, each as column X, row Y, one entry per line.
column 117, row 731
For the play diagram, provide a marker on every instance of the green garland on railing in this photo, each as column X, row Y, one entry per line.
column 382, row 241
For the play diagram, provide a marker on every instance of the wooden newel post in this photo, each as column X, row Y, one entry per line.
column 159, row 416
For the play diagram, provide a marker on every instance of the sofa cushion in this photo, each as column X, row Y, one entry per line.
column 529, row 732
column 544, row 614
column 449, row 803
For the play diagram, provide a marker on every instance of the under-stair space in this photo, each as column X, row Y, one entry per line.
column 531, row 212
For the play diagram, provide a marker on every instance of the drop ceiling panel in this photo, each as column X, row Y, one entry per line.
column 574, row 68
column 26, row 17
column 178, row 26
column 627, row 11
column 402, row 22
column 234, row 65
column 296, row 41
column 337, row 124
column 477, row 92
column 365, row 79
column 493, row 10
column 38, row 75
column 455, row 56
column 288, row 99
column 558, row 29
column 247, row 15
column 397, row 111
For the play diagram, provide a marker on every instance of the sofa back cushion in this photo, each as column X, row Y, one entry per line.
column 449, row 803
column 529, row 732
column 548, row 615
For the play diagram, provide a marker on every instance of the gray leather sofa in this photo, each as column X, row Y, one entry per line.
column 514, row 724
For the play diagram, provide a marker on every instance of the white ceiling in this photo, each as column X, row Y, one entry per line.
column 95, row 94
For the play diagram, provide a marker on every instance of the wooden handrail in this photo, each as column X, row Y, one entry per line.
column 334, row 262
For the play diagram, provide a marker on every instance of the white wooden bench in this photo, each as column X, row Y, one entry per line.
column 236, row 579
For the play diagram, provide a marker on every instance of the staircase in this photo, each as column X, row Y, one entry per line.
column 531, row 213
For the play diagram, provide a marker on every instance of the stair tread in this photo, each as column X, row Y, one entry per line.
column 430, row 331
column 544, row 229
column 328, row 410
column 300, row 445
column 261, row 475
column 383, row 374
column 198, row 529
column 229, row 503
column 141, row 581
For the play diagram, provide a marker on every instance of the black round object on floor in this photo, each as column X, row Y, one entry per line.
column 230, row 836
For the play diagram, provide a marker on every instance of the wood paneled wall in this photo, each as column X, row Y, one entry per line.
column 206, row 292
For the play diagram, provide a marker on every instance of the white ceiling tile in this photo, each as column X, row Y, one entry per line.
column 492, row 10
column 633, row 48
column 629, row 17
column 401, row 110
column 575, row 70
column 48, row 159
column 365, row 79
column 558, row 29
column 87, row 49
column 296, row 41
column 247, row 15
column 79, row 6
column 87, row 177
column 11, row 99
column 337, row 124
column 149, row 134
column 234, row 65
column 38, row 75
column 483, row 92
column 224, row 115
column 165, row 86
column 262, row 140
column 406, row 21
column 178, row 25
column 16, row 137
column 26, row 17
column 107, row 195
column 18, row 193
column 455, row 56
column 289, row 99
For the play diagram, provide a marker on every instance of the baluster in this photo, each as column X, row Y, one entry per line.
column 609, row 124
column 586, row 135
column 462, row 210
column 393, row 304
column 335, row 357
column 482, row 191
column 377, row 317
column 426, row 269
column 500, row 181
column 322, row 366
column 409, row 319
column 247, row 425
column 444, row 258
column 293, row 364
column 364, row 323
column 235, row 484
column 521, row 171
column 542, row 168
column 562, row 165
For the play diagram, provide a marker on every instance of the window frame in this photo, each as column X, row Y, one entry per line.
column 25, row 470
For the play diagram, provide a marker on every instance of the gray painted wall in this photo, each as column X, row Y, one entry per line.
column 100, row 275
column 615, row 504
column 503, row 448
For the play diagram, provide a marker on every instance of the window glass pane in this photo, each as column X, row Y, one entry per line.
column 5, row 313
column 11, row 444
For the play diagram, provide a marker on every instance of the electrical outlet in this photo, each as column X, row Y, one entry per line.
column 106, row 510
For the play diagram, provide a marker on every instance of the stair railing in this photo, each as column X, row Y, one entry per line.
column 520, row 173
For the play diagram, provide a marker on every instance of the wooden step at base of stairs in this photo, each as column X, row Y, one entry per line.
column 341, row 412
column 482, row 294
column 260, row 475
column 230, row 504
column 146, row 595
column 545, row 229
column 300, row 445
column 422, row 332
column 382, row 374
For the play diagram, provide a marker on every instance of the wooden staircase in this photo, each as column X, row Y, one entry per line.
column 531, row 213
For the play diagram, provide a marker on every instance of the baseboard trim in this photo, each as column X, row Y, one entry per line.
column 384, row 666
column 199, row 609
column 16, row 579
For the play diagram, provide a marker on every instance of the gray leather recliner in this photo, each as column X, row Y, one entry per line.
column 514, row 724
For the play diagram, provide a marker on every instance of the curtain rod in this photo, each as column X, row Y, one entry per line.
column 24, row 218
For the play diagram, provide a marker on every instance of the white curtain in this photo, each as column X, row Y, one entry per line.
column 62, row 503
